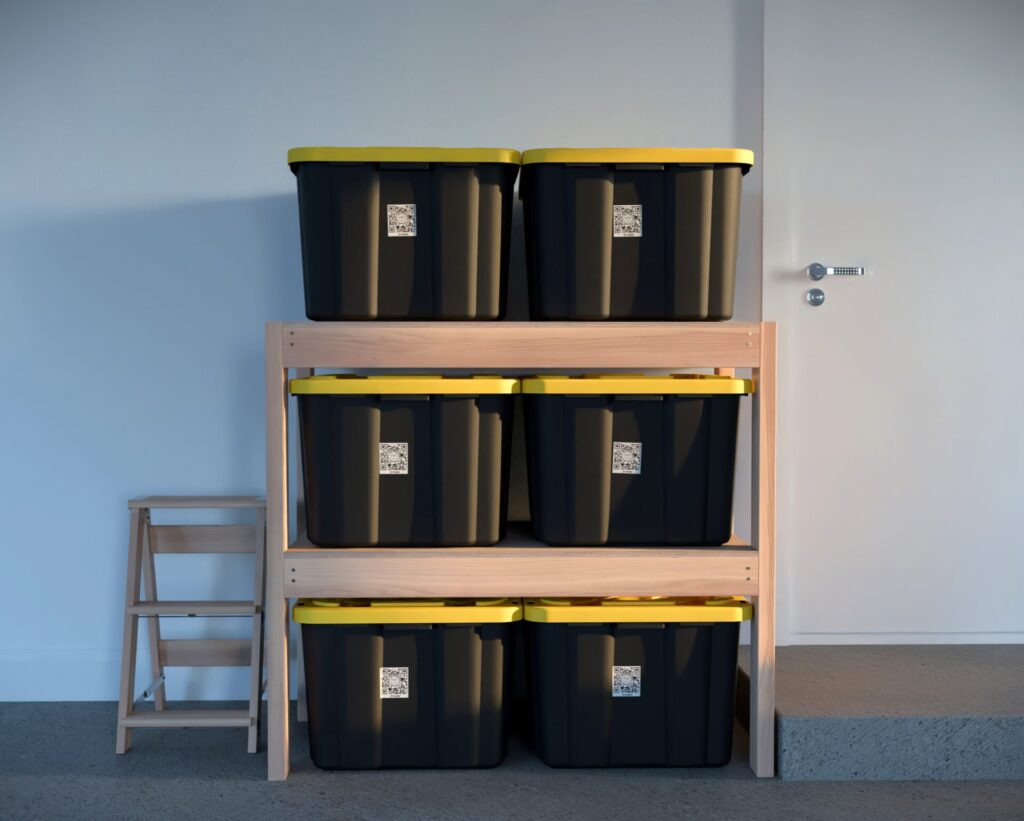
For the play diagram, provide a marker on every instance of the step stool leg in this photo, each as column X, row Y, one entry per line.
column 126, row 694
column 153, row 622
column 256, row 657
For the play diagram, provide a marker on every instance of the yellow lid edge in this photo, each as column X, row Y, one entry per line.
column 680, row 385
column 326, row 153
column 343, row 384
column 397, row 612
column 714, row 611
column 658, row 156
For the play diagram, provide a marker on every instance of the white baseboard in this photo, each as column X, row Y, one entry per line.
column 93, row 675
column 1007, row 637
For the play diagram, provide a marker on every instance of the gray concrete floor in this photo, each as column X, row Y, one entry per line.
column 57, row 762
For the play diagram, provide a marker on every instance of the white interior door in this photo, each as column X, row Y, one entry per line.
column 892, row 140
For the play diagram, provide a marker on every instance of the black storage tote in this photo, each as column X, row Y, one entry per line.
column 405, row 460
column 405, row 233
column 407, row 683
column 634, row 682
column 632, row 460
column 632, row 233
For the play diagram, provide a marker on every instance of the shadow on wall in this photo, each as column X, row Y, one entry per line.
column 136, row 339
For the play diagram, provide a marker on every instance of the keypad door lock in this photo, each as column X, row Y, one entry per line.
column 817, row 271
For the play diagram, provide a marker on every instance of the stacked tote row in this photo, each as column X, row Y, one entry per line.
column 611, row 459
column 611, row 233
column 624, row 682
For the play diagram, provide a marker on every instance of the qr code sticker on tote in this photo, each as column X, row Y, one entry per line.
column 628, row 221
column 394, row 458
column 626, row 681
column 626, row 457
column 394, row 682
column 402, row 220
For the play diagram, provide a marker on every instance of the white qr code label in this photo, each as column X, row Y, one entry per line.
column 628, row 221
column 402, row 220
column 394, row 458
column 626, row 681
column 394, row 682
column 626, row 457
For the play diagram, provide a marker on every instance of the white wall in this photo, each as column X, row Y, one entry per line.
column 148, row 229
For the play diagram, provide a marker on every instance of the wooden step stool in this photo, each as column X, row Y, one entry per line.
column 144, row 541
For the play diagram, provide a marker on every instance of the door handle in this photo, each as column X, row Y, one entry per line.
column 818, row 271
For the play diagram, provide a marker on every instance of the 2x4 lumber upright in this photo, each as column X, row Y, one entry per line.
column 277, row 542
column 515, row 346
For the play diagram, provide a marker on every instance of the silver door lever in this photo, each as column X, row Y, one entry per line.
column 818, row 271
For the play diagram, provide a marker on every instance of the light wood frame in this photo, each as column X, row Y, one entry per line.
column 146, row 540
column 522, row 568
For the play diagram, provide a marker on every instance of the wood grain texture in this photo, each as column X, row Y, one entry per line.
column 205, row 652
column 762, row 633
column 515, row 345
column 153, row 625
column 201, row 607
column 503, row 571
column 256, row 639
column 188, row 718
column 277, row 541
column 202, row 538
column 196, row 502
column 126, row 688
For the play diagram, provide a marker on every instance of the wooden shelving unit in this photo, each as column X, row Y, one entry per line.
column 520, row 566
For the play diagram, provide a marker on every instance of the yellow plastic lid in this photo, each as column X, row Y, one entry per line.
column 641, row 156
column 697, row 384
column 407, row 611
column 671, row 609
column 403, row 154
column 343, row 383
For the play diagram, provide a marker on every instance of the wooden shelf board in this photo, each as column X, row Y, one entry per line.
column 196, row 502
column 519, row 566
column 188, row 718
column 514, row 345
column 195, row 608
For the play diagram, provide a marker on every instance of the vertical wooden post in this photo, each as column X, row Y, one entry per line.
column 153, row 622
column 277, row 542
column 762, row 631
column 126, row 694
column 300, row 525
column 256, row 648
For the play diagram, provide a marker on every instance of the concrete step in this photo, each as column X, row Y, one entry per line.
column 898, row 712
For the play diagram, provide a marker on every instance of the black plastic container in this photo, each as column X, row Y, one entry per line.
column 632, row 460
column 634, row 683
column 632, row 233
column 405, row 460
column 405, row 233
column 395, row 684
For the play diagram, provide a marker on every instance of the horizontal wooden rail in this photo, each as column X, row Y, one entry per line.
column 195, row 608
column 517, row 345
column 518, row 571
column 195, row 502
column 188, row 718
column 202, row 538
column 205, row 652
